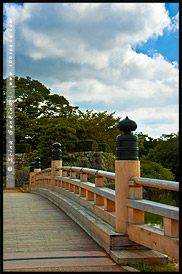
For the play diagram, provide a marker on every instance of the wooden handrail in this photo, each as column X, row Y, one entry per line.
column 169, row 185
column 155, row 208
column 101, row 173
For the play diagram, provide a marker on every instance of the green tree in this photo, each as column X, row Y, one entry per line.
column 98, row 126
column 155, row 170
column 53, row 130
column 145, row 143
column 32, row 101
column 166, row 152
column 30, row 94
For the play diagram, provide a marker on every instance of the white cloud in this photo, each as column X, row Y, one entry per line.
column 82, row 8
column 155, row 121
column 87, row 90
column 138, row 77
column 84, row 52
column 82, row 32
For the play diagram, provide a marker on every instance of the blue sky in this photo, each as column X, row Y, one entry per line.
column 168, row 44
column 119, row 57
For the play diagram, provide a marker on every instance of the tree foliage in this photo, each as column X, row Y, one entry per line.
column 166, row 152
column 33, row 102
column 163, row 151
column 155, row 170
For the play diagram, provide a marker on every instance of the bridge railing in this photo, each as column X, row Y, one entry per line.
column 101, row 199
column 164, row 240
column 124, row 208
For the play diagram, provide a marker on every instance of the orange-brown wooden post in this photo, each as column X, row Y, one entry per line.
column 27, row 186
column 171, row 227
column 30, row 174
column 37, row 168
column 56, row 161
column 127, row 165
column 99, row 182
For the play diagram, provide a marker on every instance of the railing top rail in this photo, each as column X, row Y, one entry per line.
column 107, row 174
column 46, row 169
column 102, row 173
column 169, row 185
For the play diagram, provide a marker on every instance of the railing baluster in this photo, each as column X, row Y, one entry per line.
column 171, row 227
column 109, row 205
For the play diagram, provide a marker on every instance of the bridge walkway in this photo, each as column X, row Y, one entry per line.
column 38, row 236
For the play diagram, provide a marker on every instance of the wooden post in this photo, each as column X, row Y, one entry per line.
column 171, row 227
column 72, row 174
column 83, row 177
column 27, row 188
column 127, row 165
column 135, row 216
column 109, row 205
column 56, row 161
column 30, row 174
column 64, row 173
column 43, row 175
column 99, row 181
column 30, row 179
column 124, row 171
column 36, row 169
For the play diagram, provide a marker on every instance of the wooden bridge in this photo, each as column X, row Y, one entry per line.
column 38, row 236
column 114, row 219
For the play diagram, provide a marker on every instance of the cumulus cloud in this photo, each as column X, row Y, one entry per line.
column 82, row 32
column 85, row 51
column 152, row 119
column 137, row 77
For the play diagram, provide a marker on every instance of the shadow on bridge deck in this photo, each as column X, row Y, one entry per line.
column 37, row 235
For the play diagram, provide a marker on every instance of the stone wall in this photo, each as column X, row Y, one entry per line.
column 90, row 159
column 96, row 160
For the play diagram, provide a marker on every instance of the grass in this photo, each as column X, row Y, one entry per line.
column 160, row 267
